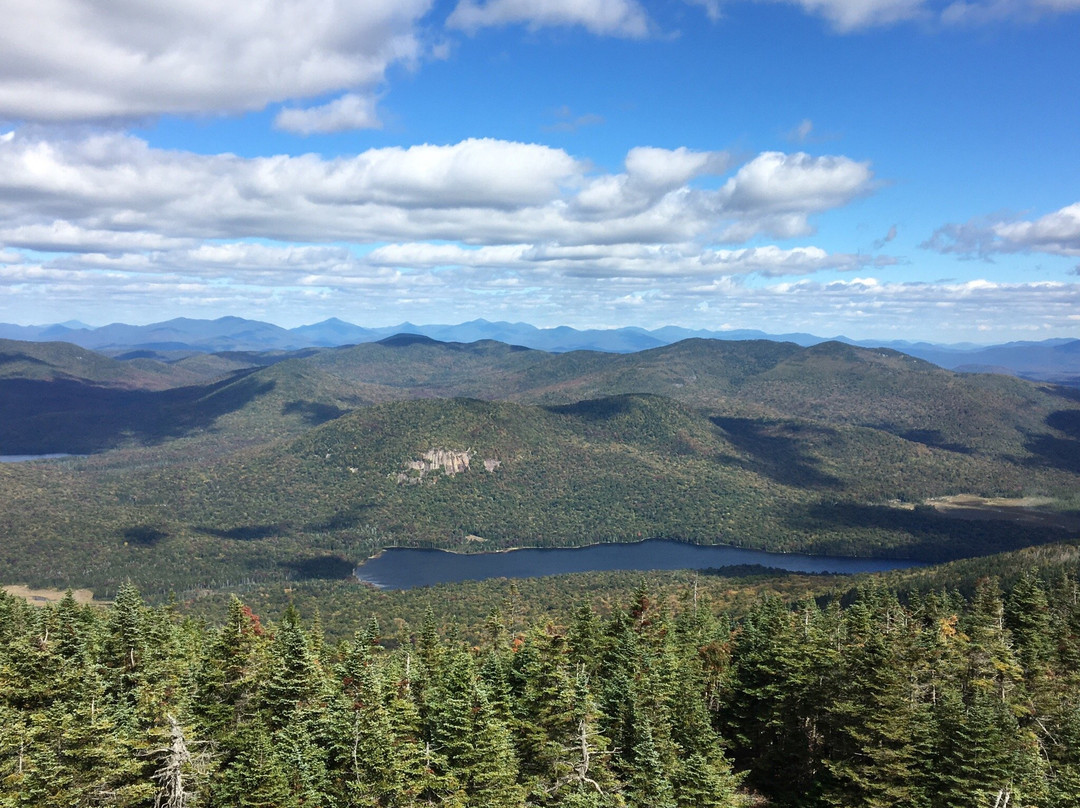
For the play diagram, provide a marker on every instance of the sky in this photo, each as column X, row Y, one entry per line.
column 879, row 169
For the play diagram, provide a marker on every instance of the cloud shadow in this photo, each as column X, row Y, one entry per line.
column 776, row 452
column 77, row 417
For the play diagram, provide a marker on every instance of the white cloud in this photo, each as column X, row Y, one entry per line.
column 628, row 18
column 350, row 111
column 854, row 15
column 620, row 260
column 61, row 236
column 243, row 256
column 476, row 191
column 991, row 11
column 69, row 60
column 546, row 285
column 667, row 169
column 851, row 16
column 119, row 181
column 1056, row 233
column 772, row 261
column 776, row 193
column 442, row 255
column 650, row 175
column 713, row 8
column 428, row 231
column 624, row 18
column 778, row 182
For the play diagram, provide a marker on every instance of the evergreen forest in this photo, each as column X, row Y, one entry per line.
column 872, row 698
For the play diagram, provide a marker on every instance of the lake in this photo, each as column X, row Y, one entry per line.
column 401, row 568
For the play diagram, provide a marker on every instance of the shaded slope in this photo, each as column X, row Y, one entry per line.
column 615, row 469
column 51, row 361
column 831, row 383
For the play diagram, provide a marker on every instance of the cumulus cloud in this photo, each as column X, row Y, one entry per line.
column 114, row 181
column 775, row 193
column 61, row 236
column 70, row 60
column 1056, row 233
column 619, row 261
column 545, row 284
column 350, row 111
column 625, row 18
column 651, row 174
column 478, row 191
column 778, row 182
column 854, row 15
column 445, row 226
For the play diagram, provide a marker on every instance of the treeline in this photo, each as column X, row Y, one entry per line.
column 869, row 700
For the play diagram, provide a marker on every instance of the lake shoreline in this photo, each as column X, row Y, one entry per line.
column 467, row 553
column 405, row 567
column 30, row 458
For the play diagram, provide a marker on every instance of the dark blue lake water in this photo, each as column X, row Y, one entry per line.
column 399, row 568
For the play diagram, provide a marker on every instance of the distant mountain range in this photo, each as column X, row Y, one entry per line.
column 1054, row 360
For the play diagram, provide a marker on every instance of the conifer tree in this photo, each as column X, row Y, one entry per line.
column 293, row 702
column 1027, row 616
column 125, row 642
column 293, row 681
column 363, row 752
column 648, row 785
column 775, row 695
column 254, row 777
column 226, row 676
column 871, row 753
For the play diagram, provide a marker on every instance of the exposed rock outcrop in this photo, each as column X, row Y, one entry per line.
column 450, row 462
column 445, row 460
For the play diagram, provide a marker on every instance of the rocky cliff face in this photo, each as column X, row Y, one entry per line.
column 449, row 462
column 445, row 460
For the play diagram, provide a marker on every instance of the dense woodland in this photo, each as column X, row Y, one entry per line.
column 224, row 469
column 270, row 476
column 868, row 700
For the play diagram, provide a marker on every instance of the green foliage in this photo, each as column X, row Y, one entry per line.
column 289, row 470
column 868, row 700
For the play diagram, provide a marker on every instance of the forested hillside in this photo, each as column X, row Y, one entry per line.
column 301, row 466
column 617, row 469
column 931, row 700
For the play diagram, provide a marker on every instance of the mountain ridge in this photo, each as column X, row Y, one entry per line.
column 296, row 457
column 1056, row 360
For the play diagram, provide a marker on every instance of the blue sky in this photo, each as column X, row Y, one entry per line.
column 872, row 168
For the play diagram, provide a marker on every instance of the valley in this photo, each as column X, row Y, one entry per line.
column 297, row 466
